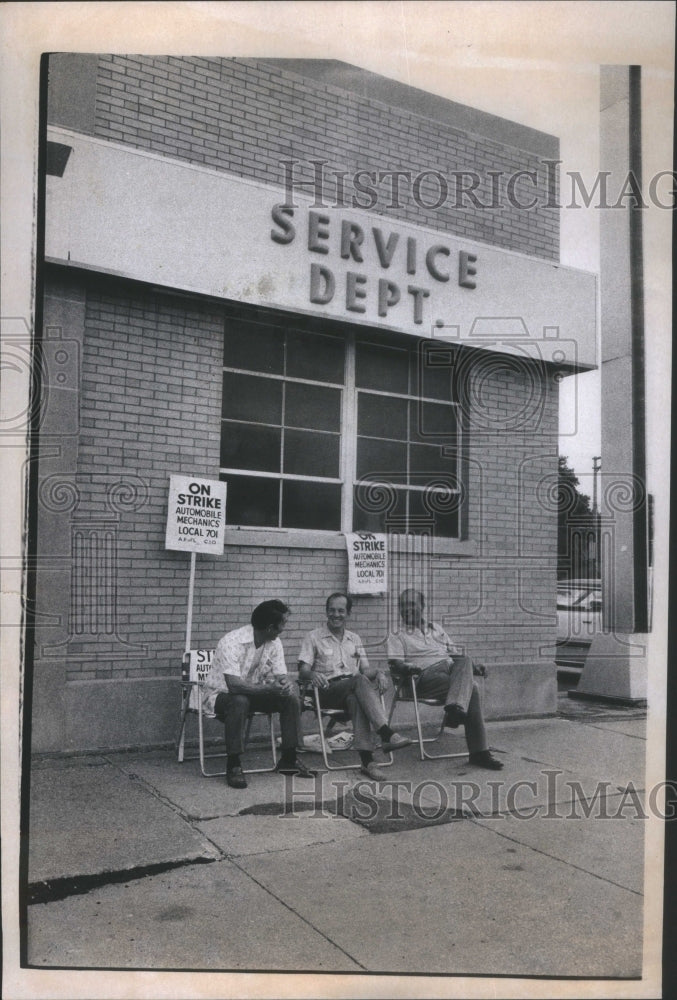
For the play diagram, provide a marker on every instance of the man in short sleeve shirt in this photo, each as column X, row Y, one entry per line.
column 248, row 673
column 333, row 660
column 423, row 648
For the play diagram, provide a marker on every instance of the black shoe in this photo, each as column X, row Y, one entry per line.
column 297, row 769
column 485, row 759
column 236, row 778
column 453, row 716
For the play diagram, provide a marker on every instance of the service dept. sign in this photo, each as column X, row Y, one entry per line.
column 245, row 241
column 196, row 515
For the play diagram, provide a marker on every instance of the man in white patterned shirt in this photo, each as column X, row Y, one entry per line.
column 248, row 673
column 333, row 660
column 423, row 648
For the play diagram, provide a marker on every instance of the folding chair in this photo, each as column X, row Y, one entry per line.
column 410, row 682
column 194, row 670
column 333, row 715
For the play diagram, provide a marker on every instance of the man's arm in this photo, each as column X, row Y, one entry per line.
column 306, row 663
column 231, row 657
column 478, row 669
column 397, row 657
column 363, row 663
column 236, row 685
column 379, row 677
column 309, row 676
column 403, row 668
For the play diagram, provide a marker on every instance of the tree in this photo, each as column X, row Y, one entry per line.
column 576, row 527
column 569, row 496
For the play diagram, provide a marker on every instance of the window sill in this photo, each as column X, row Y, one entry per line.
column 297, row 539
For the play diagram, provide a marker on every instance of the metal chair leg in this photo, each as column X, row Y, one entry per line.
column 201, row 746
column 431, row 739
column 202, row 756
column 271, row 726
column 181, row 756
column 318, row 713
column 180, row 739
column 339, row 767
column 396, row 698
column 422, row 740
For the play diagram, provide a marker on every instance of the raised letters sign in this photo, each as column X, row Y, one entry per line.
column 347, row 238
column 238, row 240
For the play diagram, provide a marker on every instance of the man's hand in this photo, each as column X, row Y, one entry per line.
column 283, row 684
column 317, row 680
column 479, row 670
column 382, row 683
column 310, row 677
column 404, row 669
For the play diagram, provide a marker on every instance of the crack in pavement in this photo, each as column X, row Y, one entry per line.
column 606, row 729
column 186, row 817
column 55, row 889
column 299, row 915
column 554, row 857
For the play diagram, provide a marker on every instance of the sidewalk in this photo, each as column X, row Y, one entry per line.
column 136, row 861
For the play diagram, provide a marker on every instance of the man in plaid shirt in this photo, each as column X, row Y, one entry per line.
column 248, row 673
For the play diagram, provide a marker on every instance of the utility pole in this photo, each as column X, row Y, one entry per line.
column 596, row 466
column 616, row 665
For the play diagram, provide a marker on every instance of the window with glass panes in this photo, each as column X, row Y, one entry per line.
column 316, row 425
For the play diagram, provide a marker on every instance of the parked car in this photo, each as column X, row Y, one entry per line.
column 579, row 618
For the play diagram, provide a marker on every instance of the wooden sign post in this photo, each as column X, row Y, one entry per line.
column 196, row 519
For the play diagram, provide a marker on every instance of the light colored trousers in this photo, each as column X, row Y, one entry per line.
column 359, row 696
column 451, row 680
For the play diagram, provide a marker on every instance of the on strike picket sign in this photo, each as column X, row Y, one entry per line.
column 199, row 665
column 196, row 515
column 367, row 563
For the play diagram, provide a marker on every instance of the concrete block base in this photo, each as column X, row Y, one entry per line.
column 120, row 714
column 615, row 669
column 517, row 690
column 116, row 714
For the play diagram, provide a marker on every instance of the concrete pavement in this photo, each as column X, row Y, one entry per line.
column 136, row 861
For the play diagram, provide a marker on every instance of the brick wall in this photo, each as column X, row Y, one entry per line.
column 245, row 117
column 150, row 405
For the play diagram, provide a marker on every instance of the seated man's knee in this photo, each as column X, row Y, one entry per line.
column 290, row 698
column 237, row 702
column 351, row 702
column 233, row 706
column 463, row 665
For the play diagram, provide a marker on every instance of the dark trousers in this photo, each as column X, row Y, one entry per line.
column 233, row 710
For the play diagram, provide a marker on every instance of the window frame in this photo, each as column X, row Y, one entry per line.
column 412, row 398
column 348, row 440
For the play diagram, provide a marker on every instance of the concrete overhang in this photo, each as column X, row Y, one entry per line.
column 151, row 218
